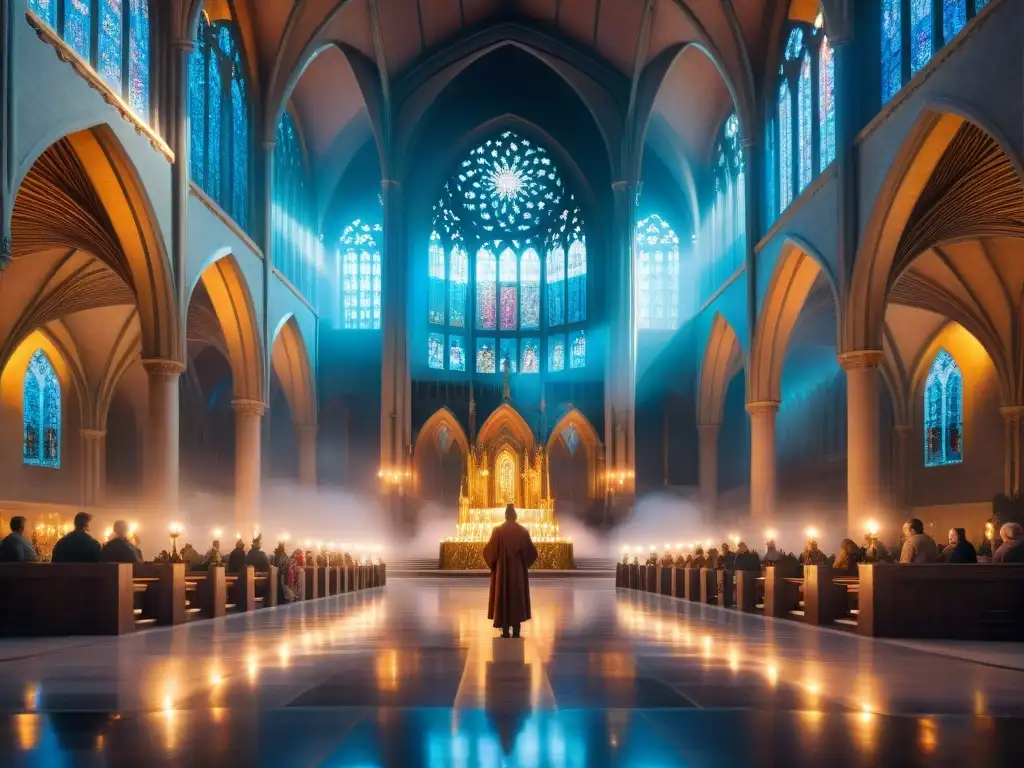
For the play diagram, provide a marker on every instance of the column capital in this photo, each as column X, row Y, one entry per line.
column 183, row 45
column 93, row 434
column 1012, row 414
column 708, row 429
column 903, row 430
column 623, row 185
column 268, row 144
column 249, row 407
column 763, row 406
column 162, row 367
column 868, row 358
column 389, row 183
column 307, row 431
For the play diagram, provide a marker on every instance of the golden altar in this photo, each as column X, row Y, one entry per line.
column 506, row 471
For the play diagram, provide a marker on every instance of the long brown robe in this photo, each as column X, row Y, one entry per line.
column 509, row 554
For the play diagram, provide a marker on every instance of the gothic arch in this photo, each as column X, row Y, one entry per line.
column 426, row 445
column 442, row 416
column 289, row 358
column 60, row 349
column 588, row 435
column 723, row 359
column 507, row 420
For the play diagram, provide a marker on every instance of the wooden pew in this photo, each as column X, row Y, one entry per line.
column 665, row 580
column 50, row 599
column 708, row 586
column 679, row 582
column 780, row 591
column 335, row 579
column 748, row 584
column 164, row 598
column 383, row 574
column 825, row 598
column 691, row 584
column 652, row 578
column 323, row 581
column 267, row 588
column 350, row 578
column 211, row 591
column 962, row 602
column 243, row 591
column 312, row 583
column 726, row 588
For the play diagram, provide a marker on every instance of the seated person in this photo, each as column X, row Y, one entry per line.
column 849, row 555
column 746, row 560
column 918, row 547
column 728, row 558
column 1012, row 548
column 119, row 549
column 812, row 555
column 714, row 559
column 213, row 555
column 15, row 548
column 699, row 561
column 78, row 546
column 257, row 558
column 960, row 550
column 771, row 554
column 236, row 560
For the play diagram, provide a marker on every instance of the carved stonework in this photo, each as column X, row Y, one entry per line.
column 762, row 407
column 249, row 407
column 5, row 252
column 870, row 358
column 92, row 434
column 160, row 367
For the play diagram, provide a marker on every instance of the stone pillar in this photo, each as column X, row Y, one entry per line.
column 901, row 489
column 177, row 131
column 1012, row 415
column 160, row 455
column 94, row 466
column 307, row 454
column 248, row 444
column 753, row 191
column 708, row 469
column 396, row 414
column 847, row 91
column 763, row 480
column 620, row 367
column 863, row 456
column 7, row 123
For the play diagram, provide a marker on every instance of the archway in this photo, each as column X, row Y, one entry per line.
column 439, row 458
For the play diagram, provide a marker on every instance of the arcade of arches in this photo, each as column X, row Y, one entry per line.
column 762, row 257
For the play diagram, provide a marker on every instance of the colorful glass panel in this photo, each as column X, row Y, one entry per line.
column 111, row 22
column 892, row 48
column 240, row 153
column 578, row 350
column 529, row 288
column 215, row 106
column 657, row 259
column 806, row 139
column 943, row 412
column 435, row 350
column 556, row 285
column 435, row 308
column 138, row 58
column 78, row 25
column 458, row 281
column 509, row 292
column 486, row 287
column 572, row 438
column 41, row 413
column 361, row 289
column 577, row 282
column 197, row 109
column 530, row 360
column 509, row 355
column 954, row 17
column 456, row 353
column 785, row 147
column 45, row 10
column 485, row 356
column 921, row 44
column 556, row 352
column 826, row 103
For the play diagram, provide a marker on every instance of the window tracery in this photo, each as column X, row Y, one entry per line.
column 361, row 282
column 943, row 412
column 41, row 413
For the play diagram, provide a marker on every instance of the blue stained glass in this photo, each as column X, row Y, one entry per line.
column 509, row 355
column 41, row 413
column 77, row 26
column 954, row 17
column 197, row 109
column 529, row 289
column 556, row 285
column 770, row 171
column 943, row 412
column 111, row 19
column 215, row 101
column 979, row 4
column 508, row 290
column 485, row 356
column 827, row 103
column 806, row 158
column 295, row 250
column 458, row 270
column 577, row 349
column 435, row 350
column 785, row 147
column 45, row 10
column 138, row 58
column 572, row 439
column 361, row 290
column 795, row 44
column 530, row 360
column 240, row 149
column 920, row 34
column 892, row 48
column 456, row 353
column 556, row 352
column 657, row 274
column 435, row 304
column 486, row 286
column 577, row 282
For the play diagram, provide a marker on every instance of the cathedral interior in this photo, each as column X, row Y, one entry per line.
column 649, row 270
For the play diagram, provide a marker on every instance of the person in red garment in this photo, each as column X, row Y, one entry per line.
column 509, row 554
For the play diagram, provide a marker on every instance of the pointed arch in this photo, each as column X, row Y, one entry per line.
column 427, row 443
column 587, row 434
column 506, row 419
column 723, row 359
column 290, row 360
column 232, row 301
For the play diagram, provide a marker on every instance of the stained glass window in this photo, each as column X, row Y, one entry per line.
column 892, row 48
column 509, row 355
column 457, row 287
column 296, row 247
column 979, row 4
column 572, row 438
column 138, row 58
column 41, row 413
column 486, row 285
column 456, row 353
column 45, row 10
column 221, row 127
column 361, row 290
column 578, row 350
column 657, row 260
column 954, row 17
column 806, row 157
column 943, row 412
column 530, row 361
column 785, row 147
column 827, row 103
column 770, row 172
column 485, row 356
column 920, row 34
column 577, row 282
column 111, row 19
column 435, row 309
column 435, row 350
column 556, row 352
column 556, row 285
column 529, row 284
column 507, row 269
column 77, row 25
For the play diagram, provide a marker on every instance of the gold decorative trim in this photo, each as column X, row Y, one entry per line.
column 868, row 358
column 903, row 430
column 1012, row 414
column 68, row 55
column 93, row 434
column 221, row 214
column 249, row 407
column 763, row 406
column 162, row 367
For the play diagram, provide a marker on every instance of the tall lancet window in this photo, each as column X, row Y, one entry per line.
column 41, row 413
column 436, row 312
column 943, row 412
column 486, row 286
column 657, row 260
column 826, row 103
column 507, row 274
column 556, row 285
column 458, row 286
column 529, row 300
column 361, row 288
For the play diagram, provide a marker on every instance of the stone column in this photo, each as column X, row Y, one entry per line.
column 763, row 480
column 901, row 491
column 1012, row 415
column 7, row 123
column 620, row 378
column 307, row 454
column 753, row 191
column 160, row 455
column 863, row 456
column 94, row 466
column 708, row 469
column 847, row 91
column 248, row 444
column 178, row 134
column 396, row 414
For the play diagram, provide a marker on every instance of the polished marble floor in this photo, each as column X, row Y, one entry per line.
column 412, row 675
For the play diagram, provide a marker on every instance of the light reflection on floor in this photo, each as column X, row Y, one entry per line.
column 414, row 675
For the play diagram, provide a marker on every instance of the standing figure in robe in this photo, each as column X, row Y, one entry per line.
column 509, row 554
